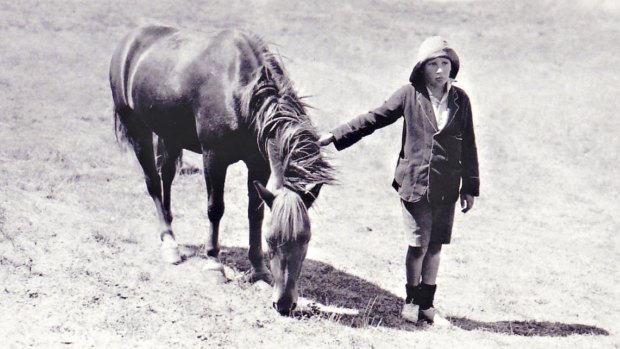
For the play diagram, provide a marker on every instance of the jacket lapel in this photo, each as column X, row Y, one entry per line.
column 453, row 107
column 425, row 102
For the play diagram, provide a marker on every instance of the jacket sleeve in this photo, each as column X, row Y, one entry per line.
column 365, row 124
column 469, row 155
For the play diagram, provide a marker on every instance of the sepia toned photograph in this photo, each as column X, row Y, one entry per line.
column 309, row 174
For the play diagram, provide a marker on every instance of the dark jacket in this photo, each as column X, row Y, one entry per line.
column 432, row 163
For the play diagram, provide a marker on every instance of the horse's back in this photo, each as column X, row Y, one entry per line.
column 178, row 63
column 184, row 84
column 127, row 52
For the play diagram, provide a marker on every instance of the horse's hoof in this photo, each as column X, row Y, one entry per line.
column 214, row 277
column 170, row 252
column 214, row 271
column 212, row 264
column 262, row 285
column 256, row 276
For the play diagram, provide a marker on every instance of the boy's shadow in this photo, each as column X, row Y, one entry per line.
column 326, row 285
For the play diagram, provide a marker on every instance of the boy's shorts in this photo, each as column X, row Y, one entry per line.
column 425, row 223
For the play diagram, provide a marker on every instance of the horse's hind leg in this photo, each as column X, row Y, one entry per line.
column 141, row 139
column 167, row 163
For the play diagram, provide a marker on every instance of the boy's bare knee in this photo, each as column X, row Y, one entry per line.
column 416, row 251
column 434, row 248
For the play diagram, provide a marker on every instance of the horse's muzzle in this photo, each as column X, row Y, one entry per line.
column 284, row 312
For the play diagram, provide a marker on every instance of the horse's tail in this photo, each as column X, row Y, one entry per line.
column 119, row 71
column 126, row 57
column 120, row 130
column 122, row 69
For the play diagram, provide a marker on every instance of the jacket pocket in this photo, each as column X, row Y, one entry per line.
column 453, row 146
column 445, row 172
column 402, row 168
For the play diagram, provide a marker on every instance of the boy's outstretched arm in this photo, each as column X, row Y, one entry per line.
column 326, row 139
column 349, row 133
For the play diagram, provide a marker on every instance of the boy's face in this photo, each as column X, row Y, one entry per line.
column 437, row 71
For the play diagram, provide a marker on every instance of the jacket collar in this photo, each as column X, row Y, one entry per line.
column 425, row 101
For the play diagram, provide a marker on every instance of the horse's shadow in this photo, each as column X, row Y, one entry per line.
column 377, row 307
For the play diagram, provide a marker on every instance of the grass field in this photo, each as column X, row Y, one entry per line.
column 534, row 265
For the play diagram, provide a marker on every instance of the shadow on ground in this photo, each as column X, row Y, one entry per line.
column 377, row 307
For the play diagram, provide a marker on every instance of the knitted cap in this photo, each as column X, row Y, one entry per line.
column 433, row 47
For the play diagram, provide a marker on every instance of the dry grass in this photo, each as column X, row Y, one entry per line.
column 532, row 266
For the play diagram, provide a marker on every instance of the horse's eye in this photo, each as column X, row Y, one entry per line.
column 272, row 244
column 271, row 249
column 305, row 239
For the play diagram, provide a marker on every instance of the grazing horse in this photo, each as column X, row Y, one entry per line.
column 227, row 97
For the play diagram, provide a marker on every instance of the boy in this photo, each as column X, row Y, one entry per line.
column 438, row 154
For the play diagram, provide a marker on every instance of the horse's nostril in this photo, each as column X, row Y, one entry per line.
column 275, row 306
column 294, row 306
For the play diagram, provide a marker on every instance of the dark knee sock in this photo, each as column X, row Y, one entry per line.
column 426, row 296
column 413, row 294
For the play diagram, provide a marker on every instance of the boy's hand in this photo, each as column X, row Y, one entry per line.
column 467, row 202
column 326, row 139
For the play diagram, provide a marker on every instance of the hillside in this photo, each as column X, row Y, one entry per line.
column 532, row 266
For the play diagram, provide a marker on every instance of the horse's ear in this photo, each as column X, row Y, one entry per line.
column 264, row 193
column 265, row 74
column 311, row 194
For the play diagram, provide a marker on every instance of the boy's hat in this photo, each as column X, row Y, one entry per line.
column 433, row 47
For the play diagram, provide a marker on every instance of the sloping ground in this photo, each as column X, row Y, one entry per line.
column 78, row 246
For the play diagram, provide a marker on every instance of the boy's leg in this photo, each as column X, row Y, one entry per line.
column 430, row 264
column 430, row 268
column 417, row 217
column 414, row 263
column 443, row 218
column 428, row 286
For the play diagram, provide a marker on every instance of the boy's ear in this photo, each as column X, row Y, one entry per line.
column 264, row 193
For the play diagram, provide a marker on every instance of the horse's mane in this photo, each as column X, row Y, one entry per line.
column 278, row 115
column 289, row 218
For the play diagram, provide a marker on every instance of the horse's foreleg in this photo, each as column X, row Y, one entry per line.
column 255, row 216
column 215, row 176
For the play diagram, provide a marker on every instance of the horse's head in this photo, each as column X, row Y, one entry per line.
column 289, row 231
column 288, row 237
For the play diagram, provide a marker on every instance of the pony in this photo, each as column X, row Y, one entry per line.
column 227, row 97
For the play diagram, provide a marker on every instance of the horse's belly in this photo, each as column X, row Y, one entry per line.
column 185, row 92
column 172, row 121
